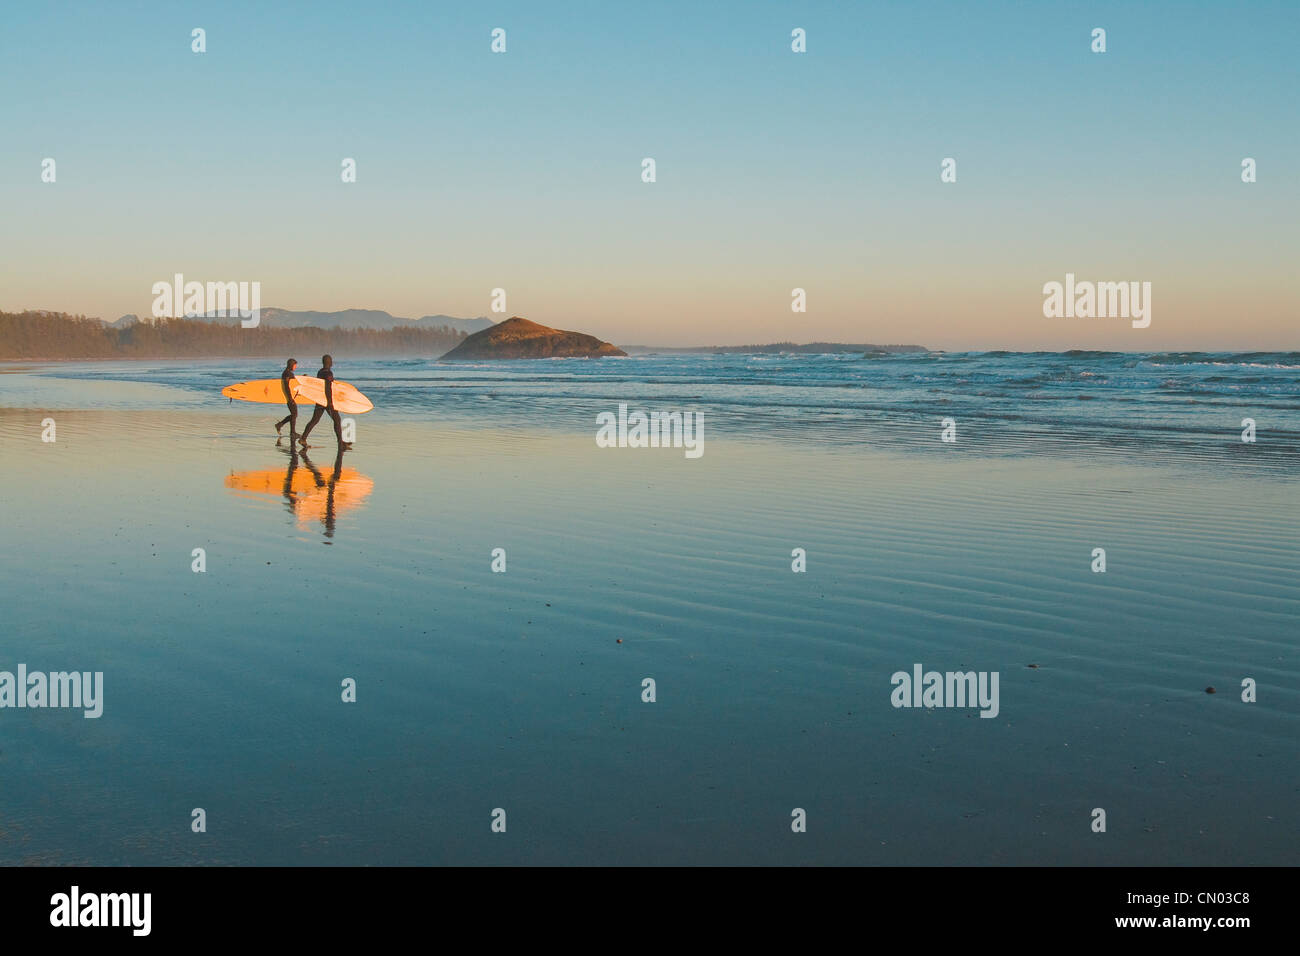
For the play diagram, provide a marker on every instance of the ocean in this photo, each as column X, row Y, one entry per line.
column 1170, row 405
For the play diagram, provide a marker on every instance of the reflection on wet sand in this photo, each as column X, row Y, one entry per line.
column 309, row 493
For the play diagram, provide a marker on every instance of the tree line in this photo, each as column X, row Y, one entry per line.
column 56, row 336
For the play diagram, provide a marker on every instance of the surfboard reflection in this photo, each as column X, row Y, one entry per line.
column 311, row 494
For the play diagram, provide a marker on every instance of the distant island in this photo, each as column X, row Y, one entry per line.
column 818, row 348
column 518, row 338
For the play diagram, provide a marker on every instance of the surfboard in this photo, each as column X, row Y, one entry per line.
column 305, row 389
column 266, row 390
column 347, row 397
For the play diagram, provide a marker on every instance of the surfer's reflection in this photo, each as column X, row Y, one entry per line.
column 328, row 485
column 310, row 494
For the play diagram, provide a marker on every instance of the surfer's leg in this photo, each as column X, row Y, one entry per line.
column 338, row 424
column 291, row 418
column 315, row 417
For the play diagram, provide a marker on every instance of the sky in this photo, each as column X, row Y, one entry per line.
column 775, row 170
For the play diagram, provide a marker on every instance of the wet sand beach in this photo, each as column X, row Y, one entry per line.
column 478, row 690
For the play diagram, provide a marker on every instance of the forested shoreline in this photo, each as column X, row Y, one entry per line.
column 43, row 336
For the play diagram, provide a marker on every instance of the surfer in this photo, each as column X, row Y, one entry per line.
column 326, row 374
column 292, row 417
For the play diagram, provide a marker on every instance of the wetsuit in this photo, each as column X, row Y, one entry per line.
column 285, row 378
column 328, row 377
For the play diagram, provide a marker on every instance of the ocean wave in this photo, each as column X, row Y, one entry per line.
column 1272, row 360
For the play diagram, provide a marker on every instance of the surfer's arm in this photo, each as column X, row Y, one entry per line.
column 329, row 393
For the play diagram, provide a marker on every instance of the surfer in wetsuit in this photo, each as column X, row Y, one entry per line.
column 326, row 374
column 286, row 378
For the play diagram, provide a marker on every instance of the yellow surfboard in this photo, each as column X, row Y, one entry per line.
column 305, row 388
column 266, row 390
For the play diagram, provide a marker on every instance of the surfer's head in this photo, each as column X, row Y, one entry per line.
column 326, row 361
column 292, row 363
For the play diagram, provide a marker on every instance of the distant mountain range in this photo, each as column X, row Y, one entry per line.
column 378, row 320
column 346, row 319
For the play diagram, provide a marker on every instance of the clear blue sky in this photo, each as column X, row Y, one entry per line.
column 775, row 169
